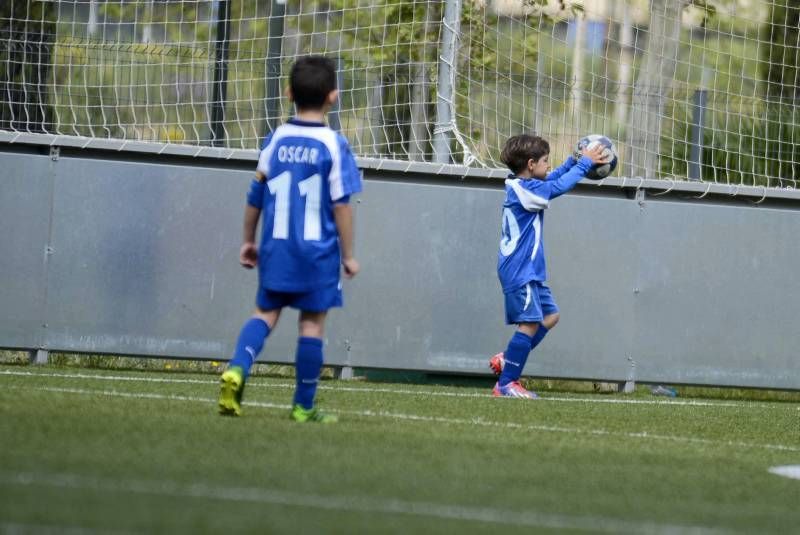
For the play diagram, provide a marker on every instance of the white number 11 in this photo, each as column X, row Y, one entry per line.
column 310, row 188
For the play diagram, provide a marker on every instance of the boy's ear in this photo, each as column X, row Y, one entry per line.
column 289, row 94
column 531, row 164
column 333, row 96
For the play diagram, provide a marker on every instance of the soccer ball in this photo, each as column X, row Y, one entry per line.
column 602, row 170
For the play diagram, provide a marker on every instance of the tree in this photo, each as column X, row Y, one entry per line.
column 652, row 86
column 398, row 58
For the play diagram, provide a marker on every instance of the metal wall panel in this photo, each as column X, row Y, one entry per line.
column 429, row 298
column 592, row 253
column 144, row 261
column 25, row 190
column 719, row 295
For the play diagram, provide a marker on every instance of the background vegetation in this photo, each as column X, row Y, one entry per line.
column 144, row 70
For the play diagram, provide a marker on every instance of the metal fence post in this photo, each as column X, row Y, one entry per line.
column 445, row 93
column 538, row 112
column 274, row 52
column 38, row 356
column 220, row 88
column 334, row 119
column 699, row 101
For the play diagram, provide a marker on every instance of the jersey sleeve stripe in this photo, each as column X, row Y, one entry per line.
column 266, row 153
column 530, row 201
column 335, row 177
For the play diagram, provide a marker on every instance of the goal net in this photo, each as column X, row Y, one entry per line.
column 687, row 89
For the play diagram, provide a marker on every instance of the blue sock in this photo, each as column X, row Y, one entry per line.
column 308, row 366
column 251, row 340
column 539, row 335
column 515, row 356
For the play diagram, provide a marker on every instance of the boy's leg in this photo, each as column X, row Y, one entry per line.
column 515, row 357
column 308, row 366
column 548, row 323
column 523, row 309
column 545, row 302
column 549, row 310
column 516, row 353
column 497, row 362
column 308, row 361
column 251, row 339
column 248, row 346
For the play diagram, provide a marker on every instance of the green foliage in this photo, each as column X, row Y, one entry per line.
column 777, row 134
column 709, row 8
column 391, row 43
column 759, row 151
column 780, row 64
column 26, row 16
column 106, row 96
column 26, row 35
column 764, row 151
column 392, row 32
column 176, row 20
column 159, row 90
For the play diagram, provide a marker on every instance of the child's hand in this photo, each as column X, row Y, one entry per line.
column 596, row 154
column 351, row 267
column 248, row 255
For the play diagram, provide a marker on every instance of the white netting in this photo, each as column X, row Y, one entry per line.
column 687, row 89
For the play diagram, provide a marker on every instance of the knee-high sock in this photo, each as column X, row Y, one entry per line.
column 308, row 365
column 538, row 336
column 251, row 341
column 516, row 355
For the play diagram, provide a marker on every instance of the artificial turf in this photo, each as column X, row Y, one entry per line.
column 112, row 451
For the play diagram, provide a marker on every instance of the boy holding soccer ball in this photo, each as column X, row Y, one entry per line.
column 305, row 176
column 521, row 262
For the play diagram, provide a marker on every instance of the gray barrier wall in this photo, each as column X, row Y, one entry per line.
column 117, row 253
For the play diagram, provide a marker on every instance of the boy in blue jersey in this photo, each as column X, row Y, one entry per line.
column 521, row 262
column 305, row 176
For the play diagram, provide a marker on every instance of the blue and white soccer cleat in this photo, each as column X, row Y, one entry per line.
column 513, row 390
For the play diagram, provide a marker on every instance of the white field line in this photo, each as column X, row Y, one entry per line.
column 790, row 471
column 435, row 419
column 357, row 504
column 400, row 391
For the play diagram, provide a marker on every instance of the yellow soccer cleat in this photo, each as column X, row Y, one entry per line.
column 231, row 387
column 299, row 414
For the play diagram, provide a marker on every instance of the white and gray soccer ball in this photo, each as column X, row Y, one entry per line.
column 599, row 171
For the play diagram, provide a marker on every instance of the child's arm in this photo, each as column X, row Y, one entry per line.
column 347, row 183
column 567, row 181
column 568, row 164
column 248, row 253
column 343, row 215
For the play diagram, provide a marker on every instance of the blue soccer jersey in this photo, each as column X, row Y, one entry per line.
column 521, row 258
column 308, row 168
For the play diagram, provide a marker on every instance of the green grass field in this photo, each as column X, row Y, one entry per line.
column 120, row 451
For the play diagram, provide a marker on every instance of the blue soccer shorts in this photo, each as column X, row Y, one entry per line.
column 529, row 303
column 318, row 300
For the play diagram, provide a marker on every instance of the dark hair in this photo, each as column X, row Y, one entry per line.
column 312, row 79
column 519, row 149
